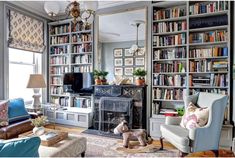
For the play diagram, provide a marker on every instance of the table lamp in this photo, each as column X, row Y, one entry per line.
column 36, row 81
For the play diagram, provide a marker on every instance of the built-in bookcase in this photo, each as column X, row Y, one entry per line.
column 190, row 52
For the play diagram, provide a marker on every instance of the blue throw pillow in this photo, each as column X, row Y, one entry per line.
column 27, row 147
column 17, row 111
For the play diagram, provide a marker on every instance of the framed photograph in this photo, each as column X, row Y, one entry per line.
column 128, row 52
column 118, row 52
column 141, row 52
column 129, row 61
column 128, row 71
column 118, row 71
column 118, row 62
column 139, row 61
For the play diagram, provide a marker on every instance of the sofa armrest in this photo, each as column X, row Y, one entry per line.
column 173, row 120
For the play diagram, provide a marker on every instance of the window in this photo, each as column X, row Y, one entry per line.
column 21, row 65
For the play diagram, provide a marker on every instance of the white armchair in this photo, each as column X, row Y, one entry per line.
column 198, row 139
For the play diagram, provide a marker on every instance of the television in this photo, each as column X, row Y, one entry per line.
column 78, row 83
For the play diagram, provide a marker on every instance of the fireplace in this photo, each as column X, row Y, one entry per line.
column 112, row 110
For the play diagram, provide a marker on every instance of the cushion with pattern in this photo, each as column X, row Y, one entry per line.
column 4, row 113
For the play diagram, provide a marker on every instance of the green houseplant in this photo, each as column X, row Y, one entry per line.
column 103, row 77
column 140, row 73
column 97, row 75
column 38, row 124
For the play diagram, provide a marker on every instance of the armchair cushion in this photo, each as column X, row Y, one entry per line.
column 3, row 113
column 195, row 117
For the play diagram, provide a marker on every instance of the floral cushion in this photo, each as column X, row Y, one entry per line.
column 194, row 117
column 3, row 113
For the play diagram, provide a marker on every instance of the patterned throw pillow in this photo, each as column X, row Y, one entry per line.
column 3, row 113
column 194, row 117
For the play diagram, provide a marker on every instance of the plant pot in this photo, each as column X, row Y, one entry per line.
column 98, row 81
column 104, row 81
column 140, row 82
column 38, row 130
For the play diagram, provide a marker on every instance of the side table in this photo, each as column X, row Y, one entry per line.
column 34, row 112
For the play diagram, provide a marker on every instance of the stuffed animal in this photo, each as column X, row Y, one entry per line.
column 131, row 134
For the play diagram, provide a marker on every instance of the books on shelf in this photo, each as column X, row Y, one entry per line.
column 82, row 59
column 82, row 102
column 58, row 70
column 84, row 68
column 208, row 52
column 59, row 50
column 216, row 90
column 175, row 66
column 167, row 94
column 165, row 80
column 81, row 37
column 173, row 53
column 59, row 60
column 163, row 27
column 81, row 48
column 208, row 7
column 59, row 40
column 169, row 13
column 60, row 29
column 212, row 80
column 56, row 80
column 78, row 27
column 210, row 36
column 56, row 90
column 169, row 40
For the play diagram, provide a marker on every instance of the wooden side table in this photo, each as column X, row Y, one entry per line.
column 34, row 112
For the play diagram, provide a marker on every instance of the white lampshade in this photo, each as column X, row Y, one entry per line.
column 91, row 5
column 51, row 8
column 36, row 81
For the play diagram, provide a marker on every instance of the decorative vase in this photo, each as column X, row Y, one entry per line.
column 140, row 82
column 98, row 81
column 38, row 130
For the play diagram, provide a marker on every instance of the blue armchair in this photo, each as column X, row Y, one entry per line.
column 197, row 139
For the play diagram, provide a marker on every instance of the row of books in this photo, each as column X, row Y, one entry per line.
column 82, row 59
column 59, row 60
column 218, row 80
column 62, row 101
column 207, row 66
column 56, row 90
column 59, row 40
column 169, row 13
column 86, row 68
column 59, row 50
column 58, row 70
column 218, row 91
column 81, row 102
column 169, row 40
column 175, row 66
column 208, row 7
column 60, row 29
column 208, row 52
column 221, row 65
column 81, row 38
column 80, row 27
column 174, row 53
column 56, row 80
column 164, row 80
column 211, row 36
column 168, row 94
column 81, row 48
column 169, row 26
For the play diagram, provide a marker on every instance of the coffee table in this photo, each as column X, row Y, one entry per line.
column 72, row 146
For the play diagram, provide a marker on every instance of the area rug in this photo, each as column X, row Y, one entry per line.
column 98, row 146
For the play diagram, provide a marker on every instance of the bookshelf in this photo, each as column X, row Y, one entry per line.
column 190, row 53
column 70, row 50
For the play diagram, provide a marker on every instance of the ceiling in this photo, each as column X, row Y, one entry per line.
column 118, row 28
column 113, row 28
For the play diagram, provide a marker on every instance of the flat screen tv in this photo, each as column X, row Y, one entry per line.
column 78, row 83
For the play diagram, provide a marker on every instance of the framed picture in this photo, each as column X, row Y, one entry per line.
column 142, row 68
column 118, row 52
column 128, row 71
column 139, row 61
column 128, row 61
column 141, row 52
column 118, row 71
column 118, row 62
column 128, row 52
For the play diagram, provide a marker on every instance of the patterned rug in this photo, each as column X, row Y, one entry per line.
column 98, row 146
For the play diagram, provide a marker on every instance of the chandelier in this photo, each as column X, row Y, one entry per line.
column 135, row 47
column 85, row 14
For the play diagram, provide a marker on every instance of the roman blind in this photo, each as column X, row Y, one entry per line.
column 25, row 32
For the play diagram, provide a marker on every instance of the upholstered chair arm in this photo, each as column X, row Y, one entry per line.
column 173, row 120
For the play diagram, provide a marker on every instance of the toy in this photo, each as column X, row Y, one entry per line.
column 131, row 134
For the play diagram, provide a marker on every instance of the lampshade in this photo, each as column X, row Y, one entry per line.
column 36, row 81
column 91, row 5
column 51, row 8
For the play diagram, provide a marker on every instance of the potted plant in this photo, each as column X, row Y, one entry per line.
column 38, row 124
column 140, row 73
column 97, row 75
column 103, row 77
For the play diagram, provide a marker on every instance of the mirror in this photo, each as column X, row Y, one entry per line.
column 117, row 34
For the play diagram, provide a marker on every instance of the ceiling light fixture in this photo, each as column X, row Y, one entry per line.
column 51, row 8
column 135, row 47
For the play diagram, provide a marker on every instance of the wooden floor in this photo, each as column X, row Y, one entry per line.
column 77, row 130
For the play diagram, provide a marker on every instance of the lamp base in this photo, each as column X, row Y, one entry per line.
column 36, row 98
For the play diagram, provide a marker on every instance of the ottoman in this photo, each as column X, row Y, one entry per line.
column 73, row 146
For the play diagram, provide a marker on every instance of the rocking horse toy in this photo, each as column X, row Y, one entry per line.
column 131, row 134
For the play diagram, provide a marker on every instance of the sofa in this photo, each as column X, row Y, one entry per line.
column 18, row 120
